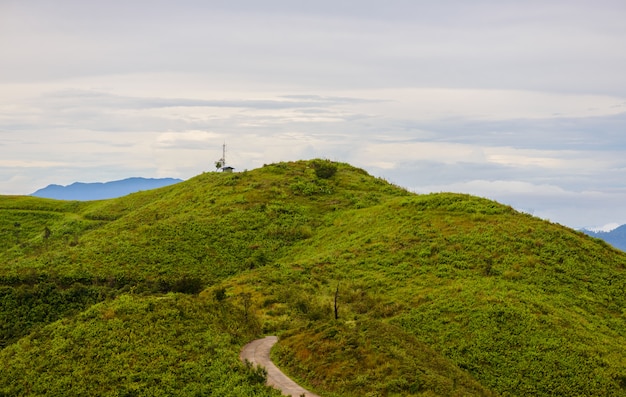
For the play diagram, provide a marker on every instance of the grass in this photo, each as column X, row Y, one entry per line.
column 149, row 346
column 439, row 294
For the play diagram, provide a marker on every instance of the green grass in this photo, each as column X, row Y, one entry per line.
column 368, row 357
column 439, row 294
column 136, row 346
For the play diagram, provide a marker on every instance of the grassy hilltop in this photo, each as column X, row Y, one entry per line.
column 154, row 293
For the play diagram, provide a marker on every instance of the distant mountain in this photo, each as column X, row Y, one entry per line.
column 616, row 237
column 99, row 190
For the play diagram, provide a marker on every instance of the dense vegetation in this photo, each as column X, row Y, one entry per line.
column 157, row 346
column 440, row 294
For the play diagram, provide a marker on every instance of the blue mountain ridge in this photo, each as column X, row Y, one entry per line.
column 102, row 190
column 616, row 237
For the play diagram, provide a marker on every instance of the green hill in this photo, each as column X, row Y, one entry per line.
column 442, row 294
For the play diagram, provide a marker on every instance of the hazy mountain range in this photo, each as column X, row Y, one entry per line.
column 102, row 190
column 616, row 237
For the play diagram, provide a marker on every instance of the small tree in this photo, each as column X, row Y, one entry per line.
column 46, row 235
column 220, row 294
column 246, row 300
column 324, row 169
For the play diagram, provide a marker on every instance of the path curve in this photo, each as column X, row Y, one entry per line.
column 258, row 353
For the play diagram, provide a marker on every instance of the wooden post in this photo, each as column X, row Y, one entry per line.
column 336, row 308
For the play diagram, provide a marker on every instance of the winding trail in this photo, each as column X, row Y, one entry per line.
column 258, row 353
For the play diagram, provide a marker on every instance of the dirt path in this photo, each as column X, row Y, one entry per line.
column 258, row 353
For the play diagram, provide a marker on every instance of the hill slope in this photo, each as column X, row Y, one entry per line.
column 100, row 191
column 440, row 294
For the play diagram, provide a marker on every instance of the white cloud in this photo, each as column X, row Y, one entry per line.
column 489, row 104
column 32, row 164
column 604, row 228
column 396, row 153
column 187, row 140
column 523, row 101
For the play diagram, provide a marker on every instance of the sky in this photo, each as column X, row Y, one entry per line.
column 523, row 102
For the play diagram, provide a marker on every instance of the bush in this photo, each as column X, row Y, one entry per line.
column 324, row 168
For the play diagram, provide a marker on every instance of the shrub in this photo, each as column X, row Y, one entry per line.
column 324, row 168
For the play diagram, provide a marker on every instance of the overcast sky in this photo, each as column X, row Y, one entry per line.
column 523, row 102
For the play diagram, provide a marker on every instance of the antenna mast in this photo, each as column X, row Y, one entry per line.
column 221, row 163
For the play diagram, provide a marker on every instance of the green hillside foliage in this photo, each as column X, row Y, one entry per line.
column 439, row 294
column 132, row 346
column 367, row 357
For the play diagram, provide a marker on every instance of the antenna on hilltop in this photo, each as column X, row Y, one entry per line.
column 221, row 163
column 224, row 155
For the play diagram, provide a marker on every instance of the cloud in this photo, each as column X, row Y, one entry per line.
column 556, row 47
column 196, row 140
column 32, row 164
column 506, row 157
column 599, row 132
column 378, row 130
column 525, row 101
column 70, row 99
column 604, row 228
